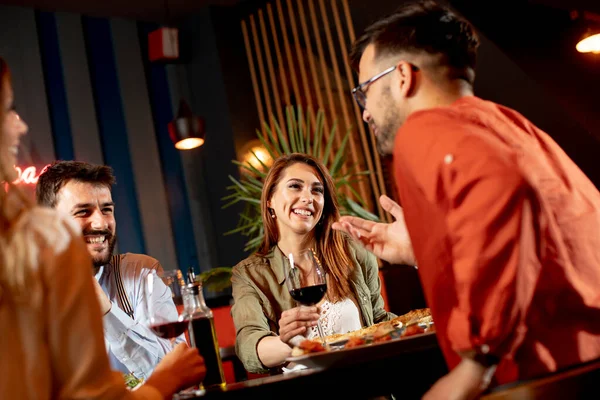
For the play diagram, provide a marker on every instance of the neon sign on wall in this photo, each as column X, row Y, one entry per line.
column 28, row 175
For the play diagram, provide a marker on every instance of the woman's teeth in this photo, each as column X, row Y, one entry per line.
column 303, row 212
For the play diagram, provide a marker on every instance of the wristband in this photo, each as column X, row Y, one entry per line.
column 487, row 360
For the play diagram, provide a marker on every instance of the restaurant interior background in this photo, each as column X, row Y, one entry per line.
column 85, row 86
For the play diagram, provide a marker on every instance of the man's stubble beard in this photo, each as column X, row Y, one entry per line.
column 391, row 122
column 98, row 262
column 387, row 134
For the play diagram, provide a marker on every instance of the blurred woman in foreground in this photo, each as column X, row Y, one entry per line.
column 51, row 338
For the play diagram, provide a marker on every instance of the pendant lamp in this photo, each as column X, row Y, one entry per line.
column 186, row 130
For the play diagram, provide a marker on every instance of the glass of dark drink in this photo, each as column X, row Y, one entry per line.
column 307, row 281
column 165, row 322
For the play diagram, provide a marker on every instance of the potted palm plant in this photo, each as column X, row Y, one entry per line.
column 300, row 136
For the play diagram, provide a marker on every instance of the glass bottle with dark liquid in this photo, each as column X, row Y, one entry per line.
column 204, row 337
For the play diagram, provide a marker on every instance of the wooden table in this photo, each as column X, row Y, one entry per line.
column 576, row 382
column 406, row 368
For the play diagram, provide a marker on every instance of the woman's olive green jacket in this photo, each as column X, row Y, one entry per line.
column 260, row 296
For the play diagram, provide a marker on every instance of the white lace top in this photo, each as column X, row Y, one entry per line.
column 340, row 317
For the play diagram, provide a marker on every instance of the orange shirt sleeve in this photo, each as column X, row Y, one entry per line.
column 487, row 206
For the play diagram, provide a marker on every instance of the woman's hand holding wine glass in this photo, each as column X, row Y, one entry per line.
column 307, row 283
column 296, row 321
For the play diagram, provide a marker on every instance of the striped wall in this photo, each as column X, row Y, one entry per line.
column 85, row 89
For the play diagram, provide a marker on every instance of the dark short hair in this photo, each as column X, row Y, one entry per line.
column 59, row 173
column 423, row 26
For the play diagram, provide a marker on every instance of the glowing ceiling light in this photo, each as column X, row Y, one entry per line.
column 590, row 44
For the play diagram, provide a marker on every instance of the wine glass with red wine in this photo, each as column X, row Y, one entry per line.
column 307, row 281
column 165, row 323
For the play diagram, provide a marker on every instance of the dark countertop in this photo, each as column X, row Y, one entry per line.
column 405, row 368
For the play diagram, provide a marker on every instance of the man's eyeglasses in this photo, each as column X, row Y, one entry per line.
column 360, row 92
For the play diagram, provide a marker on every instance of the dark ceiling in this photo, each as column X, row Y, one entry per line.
column 540, row 36
column 155, row 10
column 589, row 5
column 147, row 10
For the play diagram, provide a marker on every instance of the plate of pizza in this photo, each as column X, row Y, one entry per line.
column 384, row 338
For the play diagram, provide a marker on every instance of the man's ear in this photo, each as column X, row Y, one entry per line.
column 407, row 77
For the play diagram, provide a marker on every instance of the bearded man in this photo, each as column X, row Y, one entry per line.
column 83, row 191
column 503, row 225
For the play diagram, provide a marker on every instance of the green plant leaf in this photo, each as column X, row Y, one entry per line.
column 255, row 182
column 339, row 156
column 248, row 167
column 360, row 201
column 307, row 132
column 301, row 134
column 282, row 140
column 238, row 184
column 216, row 279
column 251, row 200
column 229, row 204
column 259, row 160
column 244, row 217
column 276, row 145
column 319, row 134
column 361, row 212
column 270, row 149
column 240, row 229
column 253, row 243
column 292, row 131
column 325, row 159
column 229, row 196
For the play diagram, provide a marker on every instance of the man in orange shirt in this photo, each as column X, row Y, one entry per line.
column 505, row 228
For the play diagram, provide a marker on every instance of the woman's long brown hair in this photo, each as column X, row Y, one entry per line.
column 332, row 246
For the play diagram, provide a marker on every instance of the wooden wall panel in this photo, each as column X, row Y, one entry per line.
column 297, row 55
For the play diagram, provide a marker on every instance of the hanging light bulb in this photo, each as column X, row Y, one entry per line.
column 186, row 130
column 589, row 44
column 590, row 26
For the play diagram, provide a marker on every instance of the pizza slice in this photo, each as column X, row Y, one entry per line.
column 418, row 316
column 379, row 332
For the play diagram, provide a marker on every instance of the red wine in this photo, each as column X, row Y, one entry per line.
column 309, row 295
column 170, row 329
column 204, row 338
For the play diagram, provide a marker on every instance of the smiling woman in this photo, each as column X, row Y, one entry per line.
column 297, row 204
column 298, row 207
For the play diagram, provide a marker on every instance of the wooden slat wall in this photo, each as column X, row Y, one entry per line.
column 297, row 54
